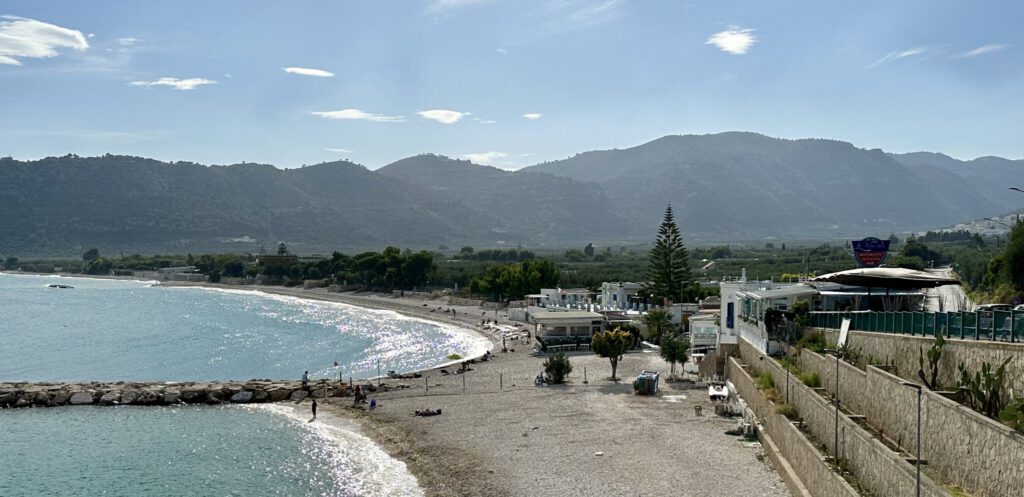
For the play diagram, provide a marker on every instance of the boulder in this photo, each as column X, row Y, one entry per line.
column 60, row 398
column 146, row 397
column 81, row 398
column 260, row 395
column 278, row 393
column 23, row 402
column 110, row 398
column 7, row 398
column 298, row 395
column 214, row 397
column 242, row 397
column 129, row 396
column 171, row 396
column 193, row 395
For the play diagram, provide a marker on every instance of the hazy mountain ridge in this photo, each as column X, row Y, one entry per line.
column 747, row 185
column 728, row 186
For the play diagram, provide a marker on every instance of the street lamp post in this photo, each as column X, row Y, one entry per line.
column 835, row 454
column 917, row 456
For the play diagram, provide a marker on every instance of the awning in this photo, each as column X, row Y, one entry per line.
column 886, row 277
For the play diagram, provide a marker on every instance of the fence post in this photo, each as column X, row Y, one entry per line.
column 961, row 324
column 426, row 385
column 1013, row 325
column 501, row 381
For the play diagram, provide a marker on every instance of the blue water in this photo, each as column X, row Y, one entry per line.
column 177, row 451
column 109, row 330
column 126, row 330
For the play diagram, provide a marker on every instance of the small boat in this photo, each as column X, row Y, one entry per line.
column 60, row 286
column 717, row 391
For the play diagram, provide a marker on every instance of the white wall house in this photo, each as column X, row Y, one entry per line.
column 566, row 323
column 572, row 298
column 744, row 304
column 619, row 295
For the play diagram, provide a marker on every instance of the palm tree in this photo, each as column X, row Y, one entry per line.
column 658, row 321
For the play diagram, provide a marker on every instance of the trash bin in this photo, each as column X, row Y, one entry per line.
column 646, row 383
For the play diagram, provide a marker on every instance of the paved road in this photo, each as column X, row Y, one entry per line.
column 949, row 298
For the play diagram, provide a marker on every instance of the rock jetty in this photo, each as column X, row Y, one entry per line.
column 13, row 395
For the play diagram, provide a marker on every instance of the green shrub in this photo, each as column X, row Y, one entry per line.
column 787, row 410
column 1013, row 414
column 765, row 381
column 810, row 379
column 557, row 367
column 814, row 341
column 454, row 357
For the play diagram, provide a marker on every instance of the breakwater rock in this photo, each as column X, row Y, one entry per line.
column 167, row 393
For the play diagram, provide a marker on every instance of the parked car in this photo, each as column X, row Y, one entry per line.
column 996, row 307
column 1019, row 307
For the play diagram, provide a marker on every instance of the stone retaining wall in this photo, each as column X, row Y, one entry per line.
column 815, row 475
column 903, row 351
column 13, row 395
column 880, row 470
column 972, row 451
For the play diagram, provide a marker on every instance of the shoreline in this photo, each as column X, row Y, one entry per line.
column 500, row 435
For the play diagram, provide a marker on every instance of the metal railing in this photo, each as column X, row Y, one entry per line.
column 1005, row 326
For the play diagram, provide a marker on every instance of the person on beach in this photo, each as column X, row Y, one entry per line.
column 314, row 408
column 305, row 380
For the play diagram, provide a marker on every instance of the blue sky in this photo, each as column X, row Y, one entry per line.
column 508, row 83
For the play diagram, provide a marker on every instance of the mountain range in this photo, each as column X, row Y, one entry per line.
column 723, row 187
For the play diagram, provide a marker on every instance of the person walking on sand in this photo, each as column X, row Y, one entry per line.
column 305, row 380
column 314, row 408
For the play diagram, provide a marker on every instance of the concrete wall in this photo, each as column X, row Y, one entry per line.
column 903, row 351
column 814, row 473
column 878, row 469
column 978, row 454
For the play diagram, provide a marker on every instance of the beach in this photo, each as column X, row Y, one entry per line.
column 504, row 436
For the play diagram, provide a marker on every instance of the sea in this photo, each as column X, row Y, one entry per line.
column 113, row 330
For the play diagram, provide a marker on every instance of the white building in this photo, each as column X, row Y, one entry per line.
column 621, row 296
column 571, row 298
column 743, row 306
column 566, row 323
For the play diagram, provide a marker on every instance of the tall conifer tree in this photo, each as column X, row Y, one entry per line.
column 668, row 267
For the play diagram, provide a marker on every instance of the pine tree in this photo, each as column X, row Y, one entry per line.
column 668, row 267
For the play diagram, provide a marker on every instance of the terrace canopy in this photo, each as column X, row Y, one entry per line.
column 886, row 277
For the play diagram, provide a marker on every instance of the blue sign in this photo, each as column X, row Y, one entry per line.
column 870, row 252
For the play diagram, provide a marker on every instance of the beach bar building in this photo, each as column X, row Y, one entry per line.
column 566, row 323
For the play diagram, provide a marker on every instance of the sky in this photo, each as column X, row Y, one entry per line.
column 507, row 83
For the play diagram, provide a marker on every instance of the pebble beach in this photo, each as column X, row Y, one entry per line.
column 501, row 435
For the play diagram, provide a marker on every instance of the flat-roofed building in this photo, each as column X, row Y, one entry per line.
column 566, row 323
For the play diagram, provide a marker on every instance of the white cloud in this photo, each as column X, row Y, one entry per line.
column 443, row 116
column 358, row 115
column 525, row 155
column 484, row 121
column 28, row 38
column 734, row 40
column 502, row 51
column 177, row 84
column 898, row 55
column 127, row 42
column 320, row 73
column 982, row 50
column 440, row 6
column 484, row 157
column 596, row 13
column 339, row 150
column 533, row 116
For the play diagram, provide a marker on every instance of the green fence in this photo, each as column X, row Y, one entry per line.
column 985, row 325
